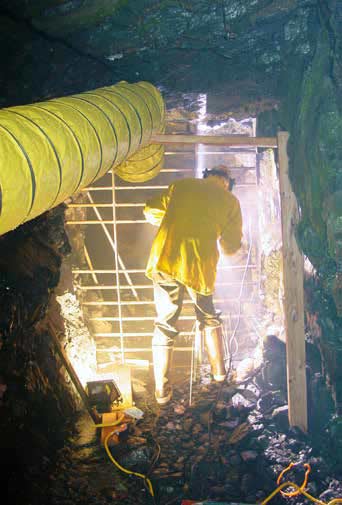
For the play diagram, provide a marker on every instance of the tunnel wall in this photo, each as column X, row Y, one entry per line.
column 37, row 402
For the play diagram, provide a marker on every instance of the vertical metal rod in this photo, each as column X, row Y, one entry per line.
column 115, row 240
column 233, row 336
column 193, row 364
column 113, row 244
column 90, row 265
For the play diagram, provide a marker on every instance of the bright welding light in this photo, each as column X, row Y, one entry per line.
column 80, row 347
column 201, row 128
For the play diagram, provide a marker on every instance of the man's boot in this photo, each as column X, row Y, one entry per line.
column 162, row 356
column 214, row 345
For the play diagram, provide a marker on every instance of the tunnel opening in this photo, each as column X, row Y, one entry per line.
column 115, row 295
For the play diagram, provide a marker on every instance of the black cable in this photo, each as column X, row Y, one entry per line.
column 156, row 456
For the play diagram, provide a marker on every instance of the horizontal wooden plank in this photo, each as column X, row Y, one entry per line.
column 226, row 140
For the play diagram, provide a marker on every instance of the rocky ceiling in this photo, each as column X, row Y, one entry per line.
column 180, row 45
column 246, row 51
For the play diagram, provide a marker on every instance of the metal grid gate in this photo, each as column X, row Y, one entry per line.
column 116, row 295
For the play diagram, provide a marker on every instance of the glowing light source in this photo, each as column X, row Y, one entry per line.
column 79, row 346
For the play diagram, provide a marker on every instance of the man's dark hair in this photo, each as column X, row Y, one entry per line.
column 221, row 173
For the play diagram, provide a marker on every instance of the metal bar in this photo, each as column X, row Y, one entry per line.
column 144, row 318
column 141, row 349
column 122, row 265
column 142, row 270
column 137, row 362
column 187, row 302
column 227, row 140
column 142, row 204
column 104, row 205
column 157, row 186
column 128, row 205
column 171, row 153
column 149, row 333
column 177, row 170
column 108, row 221
column 93, row 274
column 109, row 271
column 136, row 286
column 136, row 334
column 192, row 170
column 90, row 205
column 117, row 275
column 108, row 188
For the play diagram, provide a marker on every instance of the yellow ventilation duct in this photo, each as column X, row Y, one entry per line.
column 51, row 150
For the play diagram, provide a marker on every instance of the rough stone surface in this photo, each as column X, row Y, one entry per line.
column 36, row 405
column 198, row 452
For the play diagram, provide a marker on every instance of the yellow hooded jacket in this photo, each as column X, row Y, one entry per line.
column 192, row 215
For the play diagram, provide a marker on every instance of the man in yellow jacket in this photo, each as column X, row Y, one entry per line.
column 193, row 215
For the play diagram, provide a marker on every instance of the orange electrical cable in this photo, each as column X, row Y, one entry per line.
column 300, row 488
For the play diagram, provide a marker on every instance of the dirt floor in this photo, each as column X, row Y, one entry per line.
column 229, row 445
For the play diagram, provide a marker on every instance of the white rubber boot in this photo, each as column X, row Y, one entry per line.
column 214, row 345
column 162, row 356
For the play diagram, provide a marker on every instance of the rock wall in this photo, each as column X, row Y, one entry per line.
column 315, row 151
column 312, row 113
column 37, row 405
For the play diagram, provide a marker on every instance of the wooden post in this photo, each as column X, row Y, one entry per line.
column 293, row 294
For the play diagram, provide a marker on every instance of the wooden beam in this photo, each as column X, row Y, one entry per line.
column 293, row 267
column 226, row 140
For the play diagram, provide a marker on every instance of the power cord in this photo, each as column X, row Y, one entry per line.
column 233, row 336
column 147, row 481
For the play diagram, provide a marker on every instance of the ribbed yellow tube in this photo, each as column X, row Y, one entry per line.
column 51, row 150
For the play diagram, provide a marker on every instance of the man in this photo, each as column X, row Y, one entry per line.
column 192, row 215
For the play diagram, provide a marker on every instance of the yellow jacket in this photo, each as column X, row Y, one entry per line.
column 192, row 215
